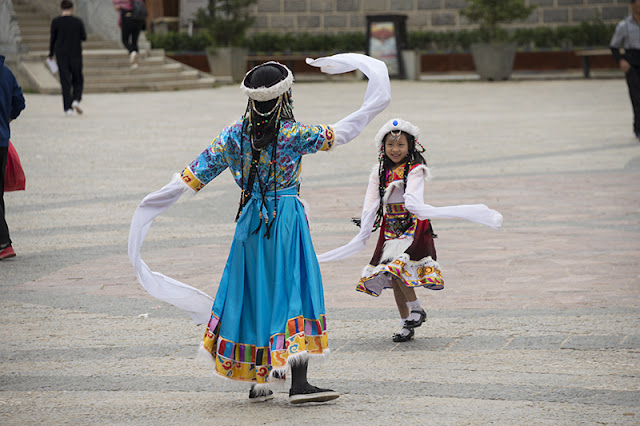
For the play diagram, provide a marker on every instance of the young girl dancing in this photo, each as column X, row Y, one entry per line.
column 405, row 255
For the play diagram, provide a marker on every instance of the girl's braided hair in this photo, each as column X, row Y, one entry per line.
column 385, row 166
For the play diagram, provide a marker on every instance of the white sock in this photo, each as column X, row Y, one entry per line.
column 414, row 306
column 404, row 331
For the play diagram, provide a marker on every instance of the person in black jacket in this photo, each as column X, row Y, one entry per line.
column 130, row 26
column 67, row 35
column 11, row 104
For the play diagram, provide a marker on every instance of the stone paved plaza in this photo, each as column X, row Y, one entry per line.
column 539, row 322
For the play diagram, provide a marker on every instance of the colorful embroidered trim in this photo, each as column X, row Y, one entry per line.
column 397, row 208
column 424, row 273
column 329, row 138
column 190, row 179
column 252, row 363
column 398, row 173
column 394, row 222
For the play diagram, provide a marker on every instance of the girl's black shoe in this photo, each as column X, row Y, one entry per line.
column 416, row 323
column 398, row 337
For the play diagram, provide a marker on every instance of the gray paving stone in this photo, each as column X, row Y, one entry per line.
column 479, row 343
column 592, row 342
column 631, row 342
column 536, row 342
column 525, row 331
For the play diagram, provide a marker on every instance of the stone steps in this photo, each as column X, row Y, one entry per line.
column 43, row 36
column 106, row 66
column 167, row 68
column 131, row 76
column 96, row 44
column 33, row 22
column 28, row 31
column 143, row 85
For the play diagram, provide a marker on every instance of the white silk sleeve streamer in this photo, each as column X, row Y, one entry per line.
column 183, row 296
column 376, row 98
column 369, row 209
column 413, row 199
column 192, row 300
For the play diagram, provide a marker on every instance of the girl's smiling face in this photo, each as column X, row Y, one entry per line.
column 396, row 149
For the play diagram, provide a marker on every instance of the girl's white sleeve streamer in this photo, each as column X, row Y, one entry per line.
column 376, row 98
column 414, row 202
column 197, row 303
column 369, row 209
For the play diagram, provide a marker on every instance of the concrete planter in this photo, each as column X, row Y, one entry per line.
column 493, row 62
column 228, row 64
column 411, row 64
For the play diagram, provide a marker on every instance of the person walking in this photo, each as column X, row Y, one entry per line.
column 130, row 28
column 627, row 36
column 11, row 104
column 67, row 35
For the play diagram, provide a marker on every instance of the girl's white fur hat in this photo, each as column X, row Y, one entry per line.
column 393, row 125
column 271, row 90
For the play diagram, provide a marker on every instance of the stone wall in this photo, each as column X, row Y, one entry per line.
column 99, row 16
column 9, row 32
column 337, row 16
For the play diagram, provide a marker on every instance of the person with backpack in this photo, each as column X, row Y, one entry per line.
column 132, row 20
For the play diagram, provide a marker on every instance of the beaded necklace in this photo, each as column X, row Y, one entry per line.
column 259, row 132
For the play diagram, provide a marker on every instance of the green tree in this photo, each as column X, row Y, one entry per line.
column 489, row 14
column 225, row 21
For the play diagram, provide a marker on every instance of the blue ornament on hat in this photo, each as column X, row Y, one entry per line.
column 393, row 125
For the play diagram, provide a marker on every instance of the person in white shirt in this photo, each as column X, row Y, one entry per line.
column 627, row 37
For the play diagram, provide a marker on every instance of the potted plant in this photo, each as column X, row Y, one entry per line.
column 494, row 57
column 226, row 22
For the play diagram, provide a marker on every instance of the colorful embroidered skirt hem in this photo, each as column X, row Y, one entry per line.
column 269, row 307
column 422, row 273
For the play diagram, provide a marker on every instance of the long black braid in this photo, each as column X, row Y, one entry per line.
column 261, row 125
column 385, row 166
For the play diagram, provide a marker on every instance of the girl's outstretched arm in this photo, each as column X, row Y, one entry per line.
column 414, row 202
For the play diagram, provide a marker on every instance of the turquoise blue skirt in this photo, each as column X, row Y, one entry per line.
column 269, row 308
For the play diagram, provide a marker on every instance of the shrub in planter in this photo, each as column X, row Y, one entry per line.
column 494, row 59
column 176, row 42
column 226, row 22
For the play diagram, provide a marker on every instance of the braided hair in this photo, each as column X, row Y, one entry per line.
column 261, row 126
column 385, row 166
